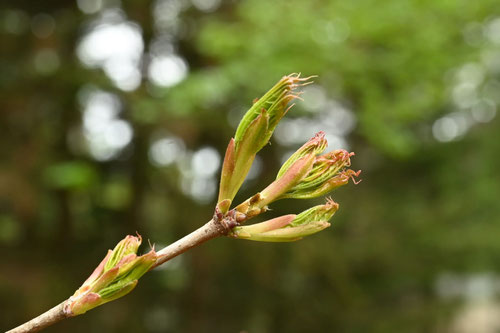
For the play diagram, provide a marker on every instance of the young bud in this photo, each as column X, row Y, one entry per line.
column 115, row 276
column 316, row 213
column 249, row 231
column 223, row 206
column 326, row 174
column 254, row 132
column 314, row 146
column 304, row 175
column 275, row 102
column 292, row 234
column 291, row 173
column 242, row 157
column 342, row 178
column 128, row 245
column 289, row 228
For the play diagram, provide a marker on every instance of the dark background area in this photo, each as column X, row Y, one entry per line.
column 115, row 115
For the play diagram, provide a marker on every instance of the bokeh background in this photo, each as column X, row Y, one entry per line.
column 115, row 115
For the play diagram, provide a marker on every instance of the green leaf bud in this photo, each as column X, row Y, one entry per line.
column 115, row 276
column 289, row 228
column 254, row 132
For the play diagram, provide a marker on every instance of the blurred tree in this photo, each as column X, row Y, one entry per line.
column 115, row 115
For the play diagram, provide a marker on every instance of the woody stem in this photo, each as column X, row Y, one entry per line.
column 210, row 230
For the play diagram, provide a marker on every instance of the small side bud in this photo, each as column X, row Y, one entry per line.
column 114, row 277
column 328, row 173
column 289, row 228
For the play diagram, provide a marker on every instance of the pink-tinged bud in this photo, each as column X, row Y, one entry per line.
column 129, row 245
column 339, row 180
column 223, row 206
column 247, row 232
column 275, row 102
column 291, row 173
column 97, row 272
column 245, row 151
column 314, row 147
column 306, row 174
column 291, row 234
column 254, row 132
column 289, row 228
column 258, row 203
column 225, row 188
column 114, row 277
column 290, row 178
column 328, row 172
column 316, row 213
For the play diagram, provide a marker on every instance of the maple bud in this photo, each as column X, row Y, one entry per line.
column 254, row 132
column 289, row 228
column 313, row 147
column 116, row 276
column 327, row 173
column 306, row 174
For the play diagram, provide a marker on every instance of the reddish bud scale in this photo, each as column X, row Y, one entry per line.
column 114, row 277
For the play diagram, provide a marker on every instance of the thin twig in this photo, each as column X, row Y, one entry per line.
column 208, row 231
column 44, row 320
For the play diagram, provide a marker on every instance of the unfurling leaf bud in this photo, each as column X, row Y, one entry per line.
column 290, row 174
column 289, row 228
column 306, row 174
column 275, row 102
column 316, row 213
column 116, row 276
column 254, row 132
column 313, row 147
column 328, row 173
column 126, row 246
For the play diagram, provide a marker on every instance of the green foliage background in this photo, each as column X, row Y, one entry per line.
column 424, row 221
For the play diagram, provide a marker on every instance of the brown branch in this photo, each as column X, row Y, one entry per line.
column 210, row 230
column 54, row 315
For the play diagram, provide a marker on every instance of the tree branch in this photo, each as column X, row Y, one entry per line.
column 210, row 230
column 54, row 315
column 306, row 174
